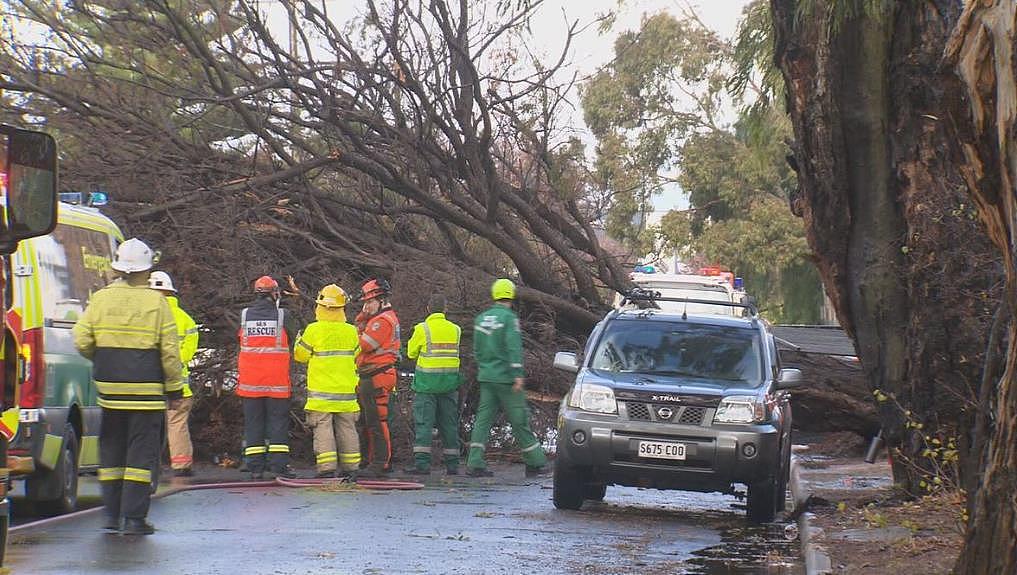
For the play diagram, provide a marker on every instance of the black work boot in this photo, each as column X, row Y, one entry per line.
column 416, row 471
column 136, row 526
column 111, row 523
column 325, row 474
column 534, row 471
column 285, row 473
column 452, row 470
column 479, row 472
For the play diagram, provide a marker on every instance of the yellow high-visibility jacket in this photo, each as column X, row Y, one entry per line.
column 187, row 333
column 435, row 346
column 330, row 348
column 129, row 333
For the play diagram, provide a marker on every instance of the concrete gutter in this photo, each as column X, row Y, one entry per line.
column 817, row 562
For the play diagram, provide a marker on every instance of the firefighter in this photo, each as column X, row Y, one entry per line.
column 263, row 381
column 435, row 346
column 379, row 353
column 498, row 349
column 129, row 333
column 329, row 347
column 180, row 448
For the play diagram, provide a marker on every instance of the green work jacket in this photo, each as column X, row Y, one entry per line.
column 498, row 345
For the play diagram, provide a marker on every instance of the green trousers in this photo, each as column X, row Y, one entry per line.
column 441, row 409
column 492, row 397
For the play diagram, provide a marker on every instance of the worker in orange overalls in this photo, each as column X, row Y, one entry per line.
column 378, row 327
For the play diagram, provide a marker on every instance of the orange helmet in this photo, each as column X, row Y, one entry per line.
column 373, row 288
column 265, row 284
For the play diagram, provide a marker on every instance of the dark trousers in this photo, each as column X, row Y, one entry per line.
column 266, row 433
column 130, row 443
column 374, row 411
column 439, row 410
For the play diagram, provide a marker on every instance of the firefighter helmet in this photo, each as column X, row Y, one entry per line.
column 503, row 289
column 265, row 284
column 161, row 281
column 373, row 288
column 332, row 296
column 133, row 256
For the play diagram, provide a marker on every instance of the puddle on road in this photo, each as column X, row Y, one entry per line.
column 751, row 550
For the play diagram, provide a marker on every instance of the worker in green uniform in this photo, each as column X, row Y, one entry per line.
column 498, row 350
column 435, row 346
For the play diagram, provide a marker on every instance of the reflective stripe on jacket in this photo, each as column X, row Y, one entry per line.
column 435, row 346
column 263, row 365
column 329, row 348
column 128, row 332
column 379, row 340
column 187, row 333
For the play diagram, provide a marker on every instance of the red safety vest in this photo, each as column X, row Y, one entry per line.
column 264, row 362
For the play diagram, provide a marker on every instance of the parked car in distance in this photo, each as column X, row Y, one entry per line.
column 674, row 400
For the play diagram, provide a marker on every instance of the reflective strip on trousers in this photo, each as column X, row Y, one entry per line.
column 530, row 448
column 450, row 452
column 331, row 396
column 327, row 457
column 158, row 404
column 111, row 473
column 256, row 450
column 421, row 449
column 349, row 457
column 479, row 446
column 137, row 474
column 278, row 448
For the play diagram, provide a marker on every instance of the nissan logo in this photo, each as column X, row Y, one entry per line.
column 665, row 413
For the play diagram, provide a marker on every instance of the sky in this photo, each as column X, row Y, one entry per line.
column 589, row 51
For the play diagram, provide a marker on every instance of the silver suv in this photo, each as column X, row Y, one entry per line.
column 676, row 401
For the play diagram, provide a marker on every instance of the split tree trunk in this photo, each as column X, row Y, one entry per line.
column 984, row 90
column 883, row 208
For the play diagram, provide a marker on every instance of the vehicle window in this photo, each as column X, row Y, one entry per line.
column 73, row 263
column 681, row 349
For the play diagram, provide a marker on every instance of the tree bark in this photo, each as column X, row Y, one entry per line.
column 984, row 89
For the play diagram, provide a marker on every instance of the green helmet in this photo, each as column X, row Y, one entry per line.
column 503, row 289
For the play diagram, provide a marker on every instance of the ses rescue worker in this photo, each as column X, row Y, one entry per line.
column 263, row 381
column 129, row 333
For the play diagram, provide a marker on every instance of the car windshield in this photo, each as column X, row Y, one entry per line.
column 681, row 350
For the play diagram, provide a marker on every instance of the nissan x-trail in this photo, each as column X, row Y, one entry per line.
column 672, row 400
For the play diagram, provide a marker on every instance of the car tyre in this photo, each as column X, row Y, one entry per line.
column 567, row 490
column 66, row 473
column 762, row 504
column 595, row 491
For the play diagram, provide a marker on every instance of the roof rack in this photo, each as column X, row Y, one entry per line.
column 646, row 295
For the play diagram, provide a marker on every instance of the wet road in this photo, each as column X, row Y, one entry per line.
column 503, row 525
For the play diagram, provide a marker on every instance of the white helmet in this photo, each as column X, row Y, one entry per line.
column 133, row 256
column 161, row 281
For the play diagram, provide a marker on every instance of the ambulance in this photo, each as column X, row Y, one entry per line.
column 50, row 280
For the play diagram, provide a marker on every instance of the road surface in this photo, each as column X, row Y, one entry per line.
column 502, row 525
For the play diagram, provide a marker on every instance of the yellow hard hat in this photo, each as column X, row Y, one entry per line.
column 503, row 289
column 332, row 296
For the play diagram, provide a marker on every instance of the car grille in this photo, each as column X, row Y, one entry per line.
column 686, row 415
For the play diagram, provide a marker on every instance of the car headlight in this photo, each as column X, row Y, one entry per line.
column 740, row 409
column 591, row 397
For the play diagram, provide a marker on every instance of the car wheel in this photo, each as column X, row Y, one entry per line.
column 785, row 476
column 568, row 488
column 762, row 501
column 595, row 491
column 66, row 473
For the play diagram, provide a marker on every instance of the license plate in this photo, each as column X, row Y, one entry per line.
column 662, row 450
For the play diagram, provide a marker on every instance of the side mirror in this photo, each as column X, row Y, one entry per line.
column 566, row 361
column 28, row 183
column 789, row 378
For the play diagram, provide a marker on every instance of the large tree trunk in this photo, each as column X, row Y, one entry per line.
column 984, row 89
column 883, row 209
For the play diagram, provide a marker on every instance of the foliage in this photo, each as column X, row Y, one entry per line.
column 658, row 108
